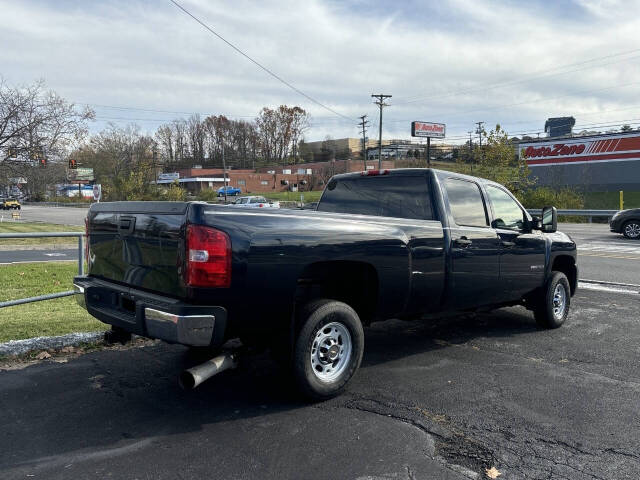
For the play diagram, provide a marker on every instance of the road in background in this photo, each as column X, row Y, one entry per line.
column 603, row 255
column 58, row 215
column 40, row 255
column 433, row 399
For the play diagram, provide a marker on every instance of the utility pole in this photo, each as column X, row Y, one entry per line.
column 224, row 173
column 470, row 132
column 380, row 103
column 364, row 123
column 479, row 132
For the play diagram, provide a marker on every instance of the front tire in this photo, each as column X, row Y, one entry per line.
column 328, row 348
column 631, row 229
column 553, row 307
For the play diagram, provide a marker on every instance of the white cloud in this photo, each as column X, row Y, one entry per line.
column 151, row 55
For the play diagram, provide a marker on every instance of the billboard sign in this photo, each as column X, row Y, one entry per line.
column 428, row 129
column 81, row 175
column 169, row 176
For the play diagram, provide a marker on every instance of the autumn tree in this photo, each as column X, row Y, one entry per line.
column 280, row 130
column 498, row 160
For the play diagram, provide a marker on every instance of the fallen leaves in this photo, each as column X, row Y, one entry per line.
column 492, row 472
column 43, row 355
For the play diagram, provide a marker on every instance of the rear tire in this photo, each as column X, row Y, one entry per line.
column 631, row 229
column 328, row 348
column 554, row 302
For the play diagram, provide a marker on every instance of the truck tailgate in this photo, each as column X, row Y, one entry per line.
column 138, row 244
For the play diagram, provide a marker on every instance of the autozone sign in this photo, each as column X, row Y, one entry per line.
column 601, row 148
column 555, row 150
column 428, row 129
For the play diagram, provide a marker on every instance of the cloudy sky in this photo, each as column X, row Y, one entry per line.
column 457, row 62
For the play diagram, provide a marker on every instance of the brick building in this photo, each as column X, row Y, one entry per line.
column 300, row 177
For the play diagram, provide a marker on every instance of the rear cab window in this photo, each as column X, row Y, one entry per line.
column 399, row 196
column 466, row 203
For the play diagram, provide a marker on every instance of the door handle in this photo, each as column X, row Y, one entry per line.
column 506, row 243
column 462, row 242
column 126, row 224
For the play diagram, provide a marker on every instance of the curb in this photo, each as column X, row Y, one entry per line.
column 19, row 347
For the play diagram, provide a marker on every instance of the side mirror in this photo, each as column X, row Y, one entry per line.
column 534, row 224
column 549, row 219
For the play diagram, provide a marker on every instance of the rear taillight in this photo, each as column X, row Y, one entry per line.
column 370, row 173
column 208, row 257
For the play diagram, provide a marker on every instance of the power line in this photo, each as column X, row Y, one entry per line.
column 581, row 126
column 151, row 110
column 536, row 76
column 544, row 99
column 255, row 62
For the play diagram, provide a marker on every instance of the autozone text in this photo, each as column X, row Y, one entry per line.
column 558, row 149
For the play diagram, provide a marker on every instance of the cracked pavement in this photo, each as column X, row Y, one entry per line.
column 443, row 399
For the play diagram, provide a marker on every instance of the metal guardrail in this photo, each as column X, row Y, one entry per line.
column 59, row 204
column 579, row 213
column 79, row 235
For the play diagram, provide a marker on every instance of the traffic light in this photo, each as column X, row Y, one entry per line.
column 73, row 164
column 43, row 162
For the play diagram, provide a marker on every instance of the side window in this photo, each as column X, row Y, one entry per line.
column 466, row 203
column 508, row 213
column 399, row 196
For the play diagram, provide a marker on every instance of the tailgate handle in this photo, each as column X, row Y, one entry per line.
column 126, row 224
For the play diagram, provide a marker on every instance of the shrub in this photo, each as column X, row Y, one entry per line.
column 208, row 195
column 543, row 196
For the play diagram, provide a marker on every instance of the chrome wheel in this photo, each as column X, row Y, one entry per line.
column 331, row 351
column 559, row 301
column 632, row 230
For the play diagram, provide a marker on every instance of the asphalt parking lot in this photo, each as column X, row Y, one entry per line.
column 443, row 399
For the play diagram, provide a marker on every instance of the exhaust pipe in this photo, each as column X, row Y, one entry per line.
column 191, row 378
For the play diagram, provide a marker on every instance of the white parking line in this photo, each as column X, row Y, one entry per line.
column 606, row 288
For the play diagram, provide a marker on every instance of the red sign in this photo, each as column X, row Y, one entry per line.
column 428, row 129
column 556, row 150
column 597, row 148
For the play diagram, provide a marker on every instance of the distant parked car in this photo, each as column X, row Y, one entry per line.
column 231, row 191
column 255, row 202
column 627, row 222
column 11, row 204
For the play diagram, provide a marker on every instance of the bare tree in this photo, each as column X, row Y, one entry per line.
column 196, row 132
column 165, row 136
column 37, row 129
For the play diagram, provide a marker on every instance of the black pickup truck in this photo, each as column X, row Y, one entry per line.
column 381, row 244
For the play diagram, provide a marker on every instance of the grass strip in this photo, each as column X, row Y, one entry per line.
column 16, row 226
column 46, row 318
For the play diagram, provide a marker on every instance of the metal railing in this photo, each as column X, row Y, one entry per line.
column 578, row 213
column 79, row 235
column 58, row 204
